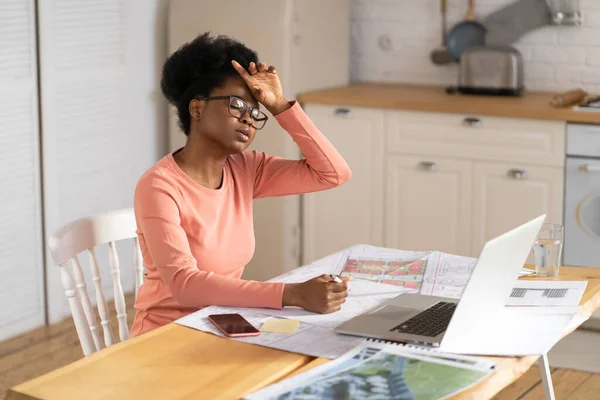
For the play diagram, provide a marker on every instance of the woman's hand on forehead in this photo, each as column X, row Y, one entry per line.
column 265, row 85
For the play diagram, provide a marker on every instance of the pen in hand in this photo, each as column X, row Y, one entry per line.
column 335, row 278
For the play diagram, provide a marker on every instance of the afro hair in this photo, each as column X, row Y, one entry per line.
column 198, row 67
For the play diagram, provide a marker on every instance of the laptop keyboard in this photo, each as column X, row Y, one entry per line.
column 430, row 322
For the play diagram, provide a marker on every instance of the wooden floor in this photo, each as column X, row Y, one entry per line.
column 45, row 349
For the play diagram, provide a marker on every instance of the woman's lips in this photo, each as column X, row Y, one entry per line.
column 243, row 134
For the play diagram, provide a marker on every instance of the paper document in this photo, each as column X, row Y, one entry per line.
column 379, row 371
column 547, row 293
column 513, row 331
column 335, row 259
column 447, row 275
column 308, row 339
column 304, row 273
column 431, row 273
column 575, row 322
column 384, row 265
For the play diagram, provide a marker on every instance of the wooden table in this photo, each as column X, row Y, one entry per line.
column 175, row 362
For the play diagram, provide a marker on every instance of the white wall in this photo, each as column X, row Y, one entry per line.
column 555, row 57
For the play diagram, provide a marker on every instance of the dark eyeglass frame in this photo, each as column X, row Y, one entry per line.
column 249, row 110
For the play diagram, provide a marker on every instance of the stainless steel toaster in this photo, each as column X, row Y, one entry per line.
column 491, row 70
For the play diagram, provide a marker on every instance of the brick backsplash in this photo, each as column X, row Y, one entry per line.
column 391, row 41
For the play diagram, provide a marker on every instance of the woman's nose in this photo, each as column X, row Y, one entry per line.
column 246, row 119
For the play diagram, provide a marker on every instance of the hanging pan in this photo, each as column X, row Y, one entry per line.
column 466, row 34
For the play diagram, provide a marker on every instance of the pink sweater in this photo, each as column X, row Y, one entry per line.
column 196, row 241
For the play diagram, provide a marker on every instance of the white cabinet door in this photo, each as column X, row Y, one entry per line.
column 21, row 245
column 102, row 114
column 352, row 213
column 428, row 203
column 506, row 195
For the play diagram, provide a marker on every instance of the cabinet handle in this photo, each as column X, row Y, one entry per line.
column 428, row 166
column 471, row 121
column 344, row 112
column 589, row 168
column 517, row 174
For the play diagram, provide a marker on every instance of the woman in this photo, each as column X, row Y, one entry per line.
column 194, row 207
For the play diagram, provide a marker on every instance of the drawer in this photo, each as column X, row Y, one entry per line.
column 477, row 137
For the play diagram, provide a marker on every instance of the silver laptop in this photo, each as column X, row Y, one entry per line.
column 436, row 321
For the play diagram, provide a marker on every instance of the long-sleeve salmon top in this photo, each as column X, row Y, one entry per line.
column 196, row 241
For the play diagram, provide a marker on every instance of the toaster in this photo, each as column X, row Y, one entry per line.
column 491, row 70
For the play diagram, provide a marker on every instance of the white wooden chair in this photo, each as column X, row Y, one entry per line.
column 84, row 235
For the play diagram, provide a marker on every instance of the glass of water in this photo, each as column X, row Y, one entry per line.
column 547, row 249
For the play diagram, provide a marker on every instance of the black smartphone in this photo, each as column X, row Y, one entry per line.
column 233, row 325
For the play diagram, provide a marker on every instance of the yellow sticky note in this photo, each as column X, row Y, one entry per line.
column 280, row 325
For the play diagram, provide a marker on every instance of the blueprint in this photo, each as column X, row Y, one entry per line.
column 383, row 265
column 431, row 273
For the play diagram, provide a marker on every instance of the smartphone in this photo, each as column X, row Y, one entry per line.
column 233, row 325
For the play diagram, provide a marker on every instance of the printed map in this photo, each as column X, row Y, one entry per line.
column 407, row 273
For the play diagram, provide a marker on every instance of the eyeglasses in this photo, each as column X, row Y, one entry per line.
column 238, row 108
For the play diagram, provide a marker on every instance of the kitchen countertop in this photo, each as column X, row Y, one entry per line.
column 434, row 98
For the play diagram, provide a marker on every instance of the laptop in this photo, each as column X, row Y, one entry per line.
column 444, row 322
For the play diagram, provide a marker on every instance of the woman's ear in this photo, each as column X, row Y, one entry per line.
column 195, row 109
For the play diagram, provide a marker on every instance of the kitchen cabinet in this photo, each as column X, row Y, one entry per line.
column 352, row 213
column 508, row 194
column 428, row 201
column 443, row 181
column 477, row 137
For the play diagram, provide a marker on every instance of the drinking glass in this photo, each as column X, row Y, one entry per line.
column 547, row 249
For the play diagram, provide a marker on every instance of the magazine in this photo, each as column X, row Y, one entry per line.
column 379, row 370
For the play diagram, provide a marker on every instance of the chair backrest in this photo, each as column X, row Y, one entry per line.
column 84, row 235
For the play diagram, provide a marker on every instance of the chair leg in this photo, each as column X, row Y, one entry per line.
column 546, row 377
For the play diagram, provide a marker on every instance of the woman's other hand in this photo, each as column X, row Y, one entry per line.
column 319, row 295
column 265, row 85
